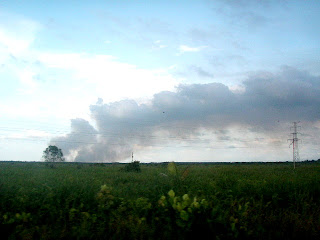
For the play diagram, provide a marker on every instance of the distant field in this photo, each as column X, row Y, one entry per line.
column 201, row 201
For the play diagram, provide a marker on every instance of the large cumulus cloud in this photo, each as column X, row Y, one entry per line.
column 285, row 96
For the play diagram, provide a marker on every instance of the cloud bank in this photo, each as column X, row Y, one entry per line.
column 267, row 98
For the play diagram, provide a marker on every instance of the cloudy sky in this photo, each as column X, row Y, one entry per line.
column 210, row 80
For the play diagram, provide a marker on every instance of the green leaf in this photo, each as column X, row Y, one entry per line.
column 171, row 193
column 185, row 197
column 184, row 215
column 172, row 168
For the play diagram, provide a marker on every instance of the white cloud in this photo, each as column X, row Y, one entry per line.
column 185, row 48
column 28, row 83
column 73, row 81
column 105, row 76
column 158, row 45
column 44, row 80
column 17, row 34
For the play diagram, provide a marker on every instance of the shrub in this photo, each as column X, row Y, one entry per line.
column 133, row 167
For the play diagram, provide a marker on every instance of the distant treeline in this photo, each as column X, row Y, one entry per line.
column 165, row 163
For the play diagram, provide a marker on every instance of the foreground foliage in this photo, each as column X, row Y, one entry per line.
column 97, row 201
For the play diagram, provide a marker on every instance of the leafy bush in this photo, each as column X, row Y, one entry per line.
column 216, row 202
column 133, row 167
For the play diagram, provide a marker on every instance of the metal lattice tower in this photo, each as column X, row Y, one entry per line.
column 294, row 142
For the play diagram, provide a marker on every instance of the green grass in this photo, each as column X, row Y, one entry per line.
column 223, row 201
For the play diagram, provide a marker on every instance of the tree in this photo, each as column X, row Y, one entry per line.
column 133, row 167
column 53, row 154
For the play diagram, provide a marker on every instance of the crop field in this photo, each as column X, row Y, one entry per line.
column 163, row 201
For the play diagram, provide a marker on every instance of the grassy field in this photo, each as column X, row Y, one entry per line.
column 204, row 201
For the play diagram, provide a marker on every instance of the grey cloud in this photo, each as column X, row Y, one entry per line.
column 193, row 71
column 227, row 62
column 252, row 15
column 201, row 72
column 199, row 35
column 286, row 96
column 291, row 94
column 266, row 4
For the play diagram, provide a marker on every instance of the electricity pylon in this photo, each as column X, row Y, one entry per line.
column 294, row 142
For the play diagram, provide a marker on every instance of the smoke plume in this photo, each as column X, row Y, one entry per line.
column 121, row 126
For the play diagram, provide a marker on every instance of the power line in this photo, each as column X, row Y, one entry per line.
column 146, row 145
column 127, row 134
column 131, row 134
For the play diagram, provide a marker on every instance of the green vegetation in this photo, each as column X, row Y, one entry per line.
column 53, row 154
column 132, row 167
column 204, row 201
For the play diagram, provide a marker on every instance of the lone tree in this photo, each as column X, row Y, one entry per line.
column 53, row 154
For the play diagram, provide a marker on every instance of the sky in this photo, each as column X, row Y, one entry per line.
column 202, row 80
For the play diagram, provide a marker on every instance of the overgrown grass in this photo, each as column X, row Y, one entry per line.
column 98, row 201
